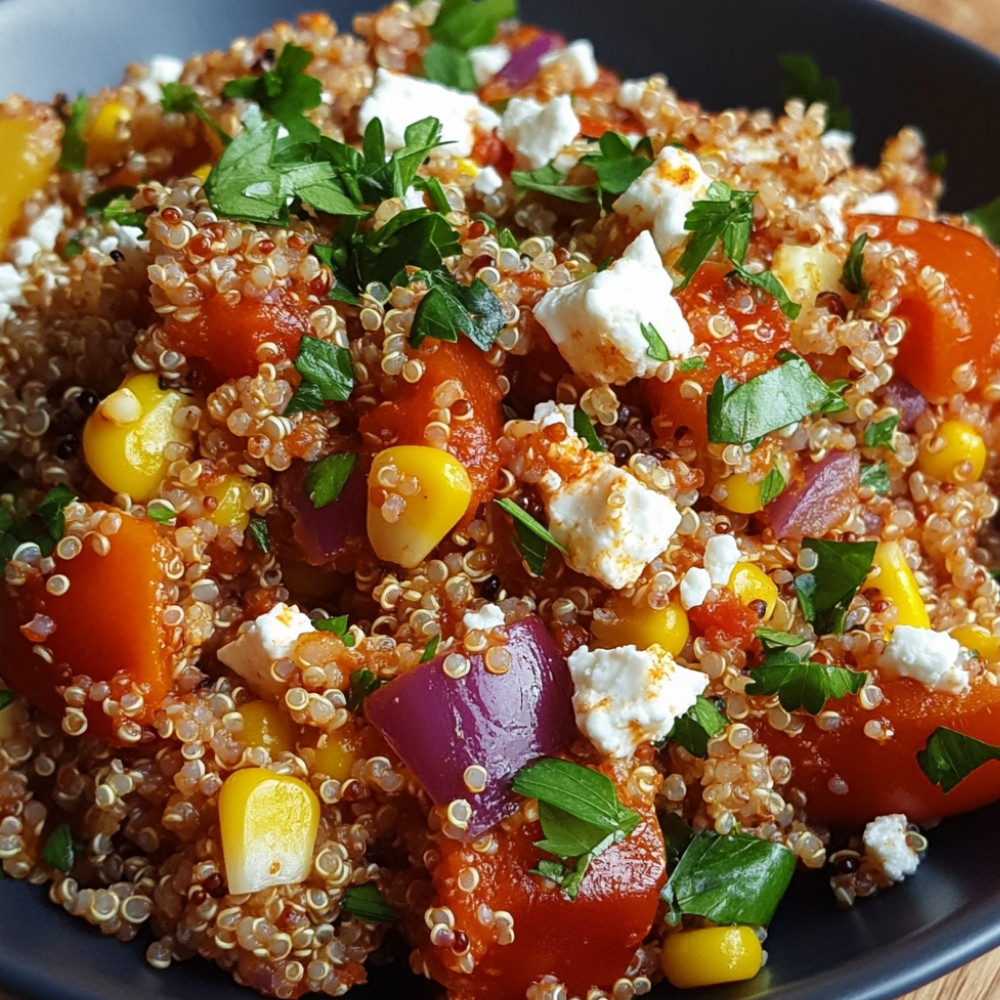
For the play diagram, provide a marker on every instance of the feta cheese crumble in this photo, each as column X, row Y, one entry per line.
column 489, row 616
column 400, row 100
column 597, row 322
column 536, row 132
column 487, row 61
column 625, row 697
column 577, row 61
column 158, row 71
column 488, row 181
column 663, row 194
column 695, row 585
column 886, row 847
column 880, row 203
column 722, row 553
column 269, row 637
column 933, row 658
column 11, row 290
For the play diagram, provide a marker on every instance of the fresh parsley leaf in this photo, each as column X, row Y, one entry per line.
column 881, row 433
column 723, row 214
column 697, row 726
column 656, row 348
column 987, row 217
column 773, row 639
column 450, row 308
column 115, row 205
column 584, row 426
column 327, row 375
column 161, row 514
column 449, row 67
column 284, row 92
column 803, row 79
column 430, row 650
column 548, row 180
column 60, row 849
column 735, row 879
column 416, row 237
column 439, row 200
column 949, row 756
column 257, row 528
column 51, row 509
column 802, row 683
column 73, row 157
column 875, row 475
column 771, row 486
column 616, row 164
column 43, row 527
column 580, row 815
column 73, row 248
column 367, row 904
column 767, row 281
column 507, row 239
column 464, row 24
column 694, row 364
column 852, row 276
column 179, row 98
column 326, row 478
column 742, row 413
column 826, row 593
column 676, row 837
column 361, row 683
column 533, row 537
column 6, row 697
column 338, row 626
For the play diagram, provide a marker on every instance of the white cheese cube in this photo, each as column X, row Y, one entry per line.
column 270, row 637
column 663, row 194
column 398, row 100
column 611, row 524
column 536, row 132
column 695, row 585
column 577, row 60
column 597, row 322
column 11, row 289
column 489, row 616
column 722, row 553
column 933, row 658
column 549, row 412
column 487, row 61
column 625, row 697
column 488, row 181
column 886, row 847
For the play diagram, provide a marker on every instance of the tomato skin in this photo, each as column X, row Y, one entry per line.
column 583, row 942
column 759, row 331
column 107, row 626
column 884, row 777
column 939, row 340
column 401, row 419
column 725, row 621
column 227, row 336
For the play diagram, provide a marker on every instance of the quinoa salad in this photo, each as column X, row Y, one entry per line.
column 464, row 508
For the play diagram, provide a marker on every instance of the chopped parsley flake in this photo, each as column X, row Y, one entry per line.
column 852, row 275
column 367, row 904
column 430, row 650
column 584, row 426
column 533, row 537
column 326, row 478
column 74, row 147
column 800, row 683
column 826, row 593
column 950, row 756
column 771, row 486
column 881, row 433
column 876, row 476
column 804, row 80
column 258, row 531
column 44, row 528
column 327, row 375
column 285, row 92
column 450, row 308
column 361, row 683
column 338, row 626
column 656, row 348
column 697, row 726
column 179, row 98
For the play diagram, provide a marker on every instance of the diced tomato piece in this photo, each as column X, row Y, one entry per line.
column 473, row 398
column 583, row 942
column 725, row 621
column 758, row 329
column 227, row 336
column 958, row 325
column 108, row 626
column 850, row 778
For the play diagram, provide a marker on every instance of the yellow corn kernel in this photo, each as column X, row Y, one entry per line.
column 422, row 494
column 125, row 439
column 955, row 453
column 750, row 583
column 711, row 955
column 268, row 823
column 266, row 725
column 466, row 166
column 105, row 133
column 976, row 638
column 232, row 494
column 635, row 623
column 336, row 753
column 742, row 496
column 892, row 576
column 202, row 172
column 30, row 151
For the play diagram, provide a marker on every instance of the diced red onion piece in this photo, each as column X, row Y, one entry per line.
column 440, row 725
column 905, row 398
column 523, row 63
column 827, row 495
column 325, row 533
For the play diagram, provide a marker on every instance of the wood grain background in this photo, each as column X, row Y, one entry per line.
column 978, row 20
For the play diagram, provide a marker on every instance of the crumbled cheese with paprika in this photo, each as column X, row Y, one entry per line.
column 933, row 658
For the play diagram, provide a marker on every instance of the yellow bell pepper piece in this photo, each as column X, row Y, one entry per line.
column 639, row 625
column 266, row 725
column 30, row 152
column 955, row 453
column 269, row 824
column 892, row 576
column 124, row 439
column 976, row 638
column 750, row 583
column 711, row 955
column 232, row 494
column 104, row 134
column 423, row 493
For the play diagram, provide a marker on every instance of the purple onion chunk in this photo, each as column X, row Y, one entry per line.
column 828, row 493
column 441, row 726
column 524, row 62
column 907, row 399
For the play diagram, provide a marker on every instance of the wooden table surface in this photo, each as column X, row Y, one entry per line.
column 978, row 20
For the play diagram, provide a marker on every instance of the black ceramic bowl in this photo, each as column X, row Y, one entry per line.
column 894, row 71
